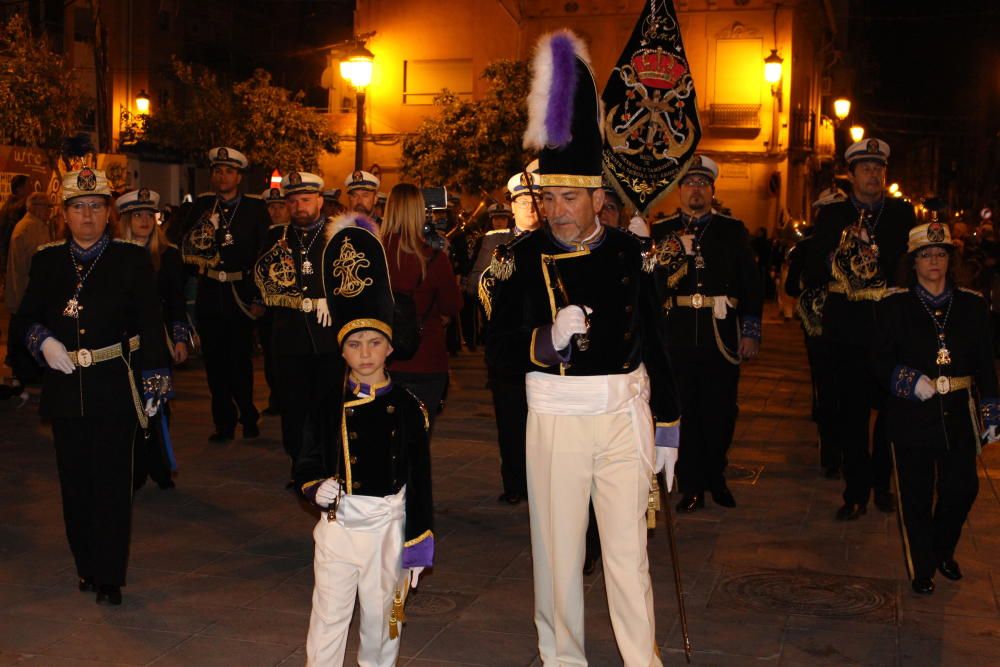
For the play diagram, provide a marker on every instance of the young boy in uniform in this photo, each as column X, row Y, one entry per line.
column 373, row 481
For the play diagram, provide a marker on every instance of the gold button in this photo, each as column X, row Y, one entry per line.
column 349, row 412
column 356, row 485
column 352, row 435
column 628, row 308
column 305, row 288
column 354, row 459
column 628, row 335
column 390, row 409
column 83, row 331
column 624, row 366
column 392, row 433
column 626, row 280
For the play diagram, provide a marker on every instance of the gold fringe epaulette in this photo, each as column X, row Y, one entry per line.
column 502, row 265
column 486, row 283
column 51, row 244
column 968, row 290
column 895, row 290
column 130, row 242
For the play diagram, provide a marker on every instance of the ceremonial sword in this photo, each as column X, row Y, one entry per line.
column 660, row 480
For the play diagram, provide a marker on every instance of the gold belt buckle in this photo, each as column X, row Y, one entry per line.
column 943, row 385
column 307, row 305
column 222, row 276
column 84, row 358
column 697, row 300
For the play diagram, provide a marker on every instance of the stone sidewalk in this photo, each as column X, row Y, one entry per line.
column 220, row 571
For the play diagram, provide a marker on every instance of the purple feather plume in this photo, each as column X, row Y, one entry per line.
column 559, row 113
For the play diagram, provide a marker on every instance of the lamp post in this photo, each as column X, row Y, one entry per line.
column 857, row 133
column 142, row 103
column 357, row 69
column 772, row 74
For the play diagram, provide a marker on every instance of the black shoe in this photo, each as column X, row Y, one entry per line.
column 86, row 585
column 923, row 585
column 250, row 431
column 851, row 512
column 950, row 569
column 885, row 501
column 221, row 436
column 590, row 564
column 831, row 472
column 510, row 498
column 690, row 502
column 109, row 595
column 723, row 496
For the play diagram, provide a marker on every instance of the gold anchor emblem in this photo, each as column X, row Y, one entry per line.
column 346, row 268
column 282, row 271
column 203, row 236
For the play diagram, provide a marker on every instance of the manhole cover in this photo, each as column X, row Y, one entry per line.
column 744, row 474
column 426, row 604
column 809, row 594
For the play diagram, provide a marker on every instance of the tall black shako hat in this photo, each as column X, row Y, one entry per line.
column 564, row 114
column 356, row 277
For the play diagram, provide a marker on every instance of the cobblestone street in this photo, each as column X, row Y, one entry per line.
column 220, row 570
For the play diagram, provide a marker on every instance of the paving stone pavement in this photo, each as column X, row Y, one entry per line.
column 220, row 571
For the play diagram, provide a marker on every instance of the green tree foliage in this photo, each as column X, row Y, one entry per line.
column 473, row 144
column 40, row 100
column 267, row 123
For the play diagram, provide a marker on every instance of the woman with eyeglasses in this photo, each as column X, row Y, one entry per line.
column 933, row 351
column 90, row 317
column 137, row 212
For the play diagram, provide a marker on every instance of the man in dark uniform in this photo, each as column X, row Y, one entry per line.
column 855, row 252
column 277, row 211
column 289, row 276
column 711, row 293
column 575, row 309
column 509, row 402
column 226, row 232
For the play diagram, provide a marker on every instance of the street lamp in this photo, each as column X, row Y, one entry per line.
column 772, row 68
column 142, row 103
column 357, row 68
column 893, row 188
column 857, row 133
column 841, row 108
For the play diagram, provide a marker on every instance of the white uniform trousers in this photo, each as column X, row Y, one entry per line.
column 572, row 458
column 357, row 556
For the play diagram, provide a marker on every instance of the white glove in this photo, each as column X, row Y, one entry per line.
column 924, row 389
column 214, row 219
column 638, row 227
column 415, row 575
column 150, row 408
column 323, row 313
column 327, row 492
column 56, row 356
column 666, row 460
column 720, row 307
column 569, row 320
column 688, row 241
column 990, row 435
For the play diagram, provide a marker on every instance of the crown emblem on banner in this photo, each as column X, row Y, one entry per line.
column 657, row 69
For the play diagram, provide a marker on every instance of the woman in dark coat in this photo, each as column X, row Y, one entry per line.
column 933, row 350
column 97, row 297
column 154, row 455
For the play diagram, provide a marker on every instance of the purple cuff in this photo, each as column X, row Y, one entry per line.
column 543, row 353
column 420, row 554
column 903, row 382
column 180, row 332
column 668, row 435
column 751, row 327
column 990, row 408
column 309, row 490
column 33, row 341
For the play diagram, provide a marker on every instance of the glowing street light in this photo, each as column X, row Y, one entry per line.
column 893, row 188
column 357, row 68
column 841, row 108
column 772, row 67
column 857, row 133
column 142, row 103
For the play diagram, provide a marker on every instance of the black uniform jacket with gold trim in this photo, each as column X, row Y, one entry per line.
column 906, row 347
column 249, row 229
column 627, row 327
column 170, row 281
column 844, row 320
column 381, row 445
column 118, row 300
column 730, row 270
column 285, row 287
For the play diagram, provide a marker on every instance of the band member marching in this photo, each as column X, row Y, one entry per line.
column 226, row 232
column 711, row 293
column 575, row 309
column 373, row 479
column 304, row 346
column 933, row 352
column 97, row 297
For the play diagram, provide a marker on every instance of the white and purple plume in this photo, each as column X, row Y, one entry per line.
column 553, row 88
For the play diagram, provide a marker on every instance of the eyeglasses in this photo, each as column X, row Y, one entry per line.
column 695, row 183
column 93, row 206
column 932, row 254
